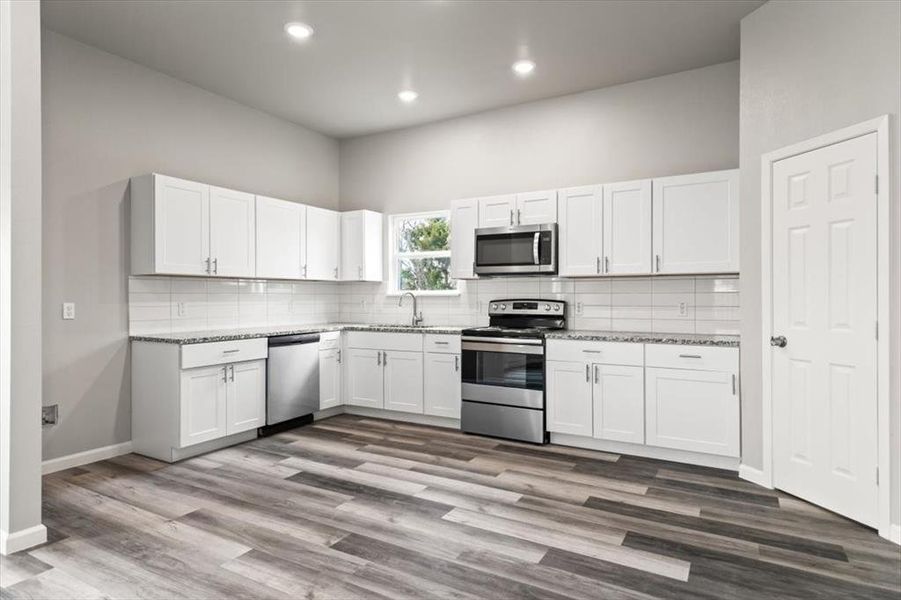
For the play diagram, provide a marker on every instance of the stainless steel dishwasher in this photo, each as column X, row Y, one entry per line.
column 292, row 381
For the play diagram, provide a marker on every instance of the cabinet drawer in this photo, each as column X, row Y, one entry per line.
column 329, row 340
column 447, row 344
column 217, row 353
column 376, row 340
column 700, row 358
column 606, row 353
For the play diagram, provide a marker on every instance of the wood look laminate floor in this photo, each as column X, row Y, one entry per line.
column 356, row 507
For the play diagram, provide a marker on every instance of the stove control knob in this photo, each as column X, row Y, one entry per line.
column 503, row 307
column 547, row 307
column 494, row 307
column 556, row 307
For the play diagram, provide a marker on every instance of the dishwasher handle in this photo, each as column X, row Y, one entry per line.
column 292, row 340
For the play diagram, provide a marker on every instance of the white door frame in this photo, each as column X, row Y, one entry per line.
column 880, row 126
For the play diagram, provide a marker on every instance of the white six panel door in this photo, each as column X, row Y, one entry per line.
column 569, row 397
column 497, row 211
column 618, row 396
column 281, row 226
column 181, row 226
column 536, row 208
column 696, row 223
column 627, row 228
column 232, row 233
column 464, row 220
column 246, row 396
column 824, row 303
column 581, row 230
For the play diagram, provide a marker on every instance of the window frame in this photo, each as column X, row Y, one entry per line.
column 394, row 255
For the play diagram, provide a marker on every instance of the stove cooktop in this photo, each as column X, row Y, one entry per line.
column 495, row 331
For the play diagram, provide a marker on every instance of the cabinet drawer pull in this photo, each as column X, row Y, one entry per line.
column 592, row 351
column 442, row 343
column 231, row 351
column 690, row 356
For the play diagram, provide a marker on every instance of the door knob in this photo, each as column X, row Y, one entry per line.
column 778, row 341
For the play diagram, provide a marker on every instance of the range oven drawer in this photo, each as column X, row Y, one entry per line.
column 503, row 421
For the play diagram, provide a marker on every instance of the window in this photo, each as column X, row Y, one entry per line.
column 420, row 253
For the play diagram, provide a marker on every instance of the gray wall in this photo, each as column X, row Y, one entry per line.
column 20, row 263
column 808, row 68
column 106, row 119
column 680, row 123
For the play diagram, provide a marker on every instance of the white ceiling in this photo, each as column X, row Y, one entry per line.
column 457, row 55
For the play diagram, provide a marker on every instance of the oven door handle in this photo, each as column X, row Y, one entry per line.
column 504, row 348
column 535, row 241
column 500, row 340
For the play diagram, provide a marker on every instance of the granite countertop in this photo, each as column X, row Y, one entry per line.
column 224, row 335
column 694, row 339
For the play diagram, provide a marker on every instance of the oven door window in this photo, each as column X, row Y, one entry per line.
column 505, row 369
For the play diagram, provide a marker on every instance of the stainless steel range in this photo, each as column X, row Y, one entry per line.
column 503, row 369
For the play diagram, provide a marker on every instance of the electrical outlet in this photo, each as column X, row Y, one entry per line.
column 49, row 414
column 683, row 309
column 68, row 311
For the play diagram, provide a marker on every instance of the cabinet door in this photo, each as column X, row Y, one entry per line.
column 281, row 228
column 581, row 230
column 352, row 242
column 696, row 223
column 692, row 410
column 464, row 220
column 442, row 385
column 569, row 397
column 203, row 404
column 627, row 228
column 618, row 399
column 403, row 381
column 246, row 396
column 181, row 231
column 365, row 378
column 323, row 243
column 497, row 211
column 536, row 208
column 329, row 378
column 232, row 233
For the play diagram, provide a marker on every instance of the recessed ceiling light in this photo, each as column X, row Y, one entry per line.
column 407, row 96
column 523, row 67
column 299, row 31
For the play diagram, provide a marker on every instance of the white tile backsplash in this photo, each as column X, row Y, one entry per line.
column 652, row 304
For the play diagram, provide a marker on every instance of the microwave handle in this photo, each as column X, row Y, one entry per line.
column 535, row 242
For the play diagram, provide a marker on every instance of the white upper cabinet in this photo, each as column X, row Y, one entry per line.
column 497, row 211
column 323, row 244
column 361, row 246
column 581, row 231
column 696, row 223
column 627, row 228
column 464, row 220
column 232, row 233
column 536, row 208
column 281, row 243
column 170, row 226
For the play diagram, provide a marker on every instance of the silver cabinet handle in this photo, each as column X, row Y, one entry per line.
column 518, row 217
column 596, row 369
column 456, row 363
column 535, row 242
column 233, row 372
column 215, row 266
column 733, row 384
column 606, row 264
column 689, row 356
column 587, row 373
column 442, row 343
column 597, row 267
column 384, row 359
column 592, row 351
column 304, row 271
column 378, row 358
column 207, row 261
column 511, row 216
column 232, row 351
column 225, row 374
column 657, row 259
column 339, row 357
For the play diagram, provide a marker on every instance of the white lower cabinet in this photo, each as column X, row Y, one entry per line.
column 569, row 397
column 245, row 396
column 618, row 403
column 365, row 379
column 693, row 410
column 329, row 378
column 442, row 385
column 403, row 381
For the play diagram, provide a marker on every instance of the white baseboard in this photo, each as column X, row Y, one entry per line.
column 754, row 476
column 680, row 456
column 83, row 458
column 894, row 534
column 20, row 540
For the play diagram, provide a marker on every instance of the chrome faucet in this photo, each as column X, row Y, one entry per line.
column 417, row 316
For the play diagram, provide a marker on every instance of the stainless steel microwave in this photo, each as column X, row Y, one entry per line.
column 519, row 250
